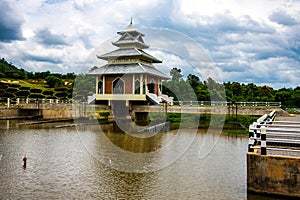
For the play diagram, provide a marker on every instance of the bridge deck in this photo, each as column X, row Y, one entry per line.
column 283, row 136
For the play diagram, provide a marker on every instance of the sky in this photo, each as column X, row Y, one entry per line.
column 247, row 41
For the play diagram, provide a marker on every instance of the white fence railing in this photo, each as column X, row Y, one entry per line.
column 227, row 103
column 267, row 133
column 11, row 102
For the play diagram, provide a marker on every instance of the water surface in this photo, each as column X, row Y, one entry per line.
column 70, row 163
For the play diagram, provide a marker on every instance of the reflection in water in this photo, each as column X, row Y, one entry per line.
column 64, row 164
column 128, row 142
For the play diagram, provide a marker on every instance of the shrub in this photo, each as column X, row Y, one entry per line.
column 60, row 89
column 3, row 85
column 11, row 90
column 24, row 88
column 61, row 94
column 48, row 92
column 22, row 93
column 36, row 96
column 35, row 90
column 8, row 95
column 15, row 85
column 102, row 114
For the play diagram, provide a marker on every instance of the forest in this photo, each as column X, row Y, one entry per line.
column 181, row 88
column 234, row 91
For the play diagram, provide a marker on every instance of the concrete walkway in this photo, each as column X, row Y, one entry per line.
column 286, row 151
column 295, row 118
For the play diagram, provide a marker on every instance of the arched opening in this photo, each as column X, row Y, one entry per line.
column 100, row 87
column 137, row 87
column 118, row 86
column 151, row 87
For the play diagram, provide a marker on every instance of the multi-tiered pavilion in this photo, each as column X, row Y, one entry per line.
column 129, row 74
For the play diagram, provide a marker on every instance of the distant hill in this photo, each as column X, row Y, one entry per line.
column 8, row 70
column 19, row 83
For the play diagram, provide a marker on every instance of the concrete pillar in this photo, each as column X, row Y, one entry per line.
column 133, row 84
column 146, row 83
column 97, row 80
column 103, row 84
column 263, row 144
column 141, row 83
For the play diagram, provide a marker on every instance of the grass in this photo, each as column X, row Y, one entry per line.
column 236, row 132
column 232, row 124
column 39, row 85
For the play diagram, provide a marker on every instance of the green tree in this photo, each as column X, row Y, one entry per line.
column 193, row 80
column 84, row 86
column 53, row 81
column 217, row 91
column 266, row 93
column 176, row 74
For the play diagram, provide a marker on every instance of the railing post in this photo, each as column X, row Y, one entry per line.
column 251, row 144
column 263, row 143
column 251, row 130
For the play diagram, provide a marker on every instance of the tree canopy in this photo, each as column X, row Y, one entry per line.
column 208, row 90
column 191, row 88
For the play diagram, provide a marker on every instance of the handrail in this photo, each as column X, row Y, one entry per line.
column 227, row 103
column 17, row 101
column 265, row 132
column 256, row 129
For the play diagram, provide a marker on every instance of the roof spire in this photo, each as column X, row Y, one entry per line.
column 130, row 26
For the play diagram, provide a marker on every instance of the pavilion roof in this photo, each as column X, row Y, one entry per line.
column 132, row 68
column 131, row 37
column 128, row 52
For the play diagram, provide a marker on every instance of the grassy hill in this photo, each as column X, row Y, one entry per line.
column 14, row 88
column 19, row 83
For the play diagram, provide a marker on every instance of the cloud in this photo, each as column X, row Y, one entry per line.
column 46, row 37
column 239, row 36
column 283, row 18
column 54, row 1
column 42, row 58
column 10, row 23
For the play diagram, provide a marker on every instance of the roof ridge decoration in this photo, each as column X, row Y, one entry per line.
column 130, row 26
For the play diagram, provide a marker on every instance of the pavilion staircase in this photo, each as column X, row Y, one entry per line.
column 159, row 99
column 92, row 99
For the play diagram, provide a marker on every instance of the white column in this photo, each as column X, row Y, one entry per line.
column 146, row 83
column 159, row 86
column 133, row 83
column 141, row 83
column 97, row 80
column 103, row 84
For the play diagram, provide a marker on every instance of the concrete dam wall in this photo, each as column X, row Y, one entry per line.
column 271, row 174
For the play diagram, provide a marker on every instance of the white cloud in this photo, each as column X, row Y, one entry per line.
column 238, row 35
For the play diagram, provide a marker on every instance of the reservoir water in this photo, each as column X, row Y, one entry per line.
column 83, row 163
